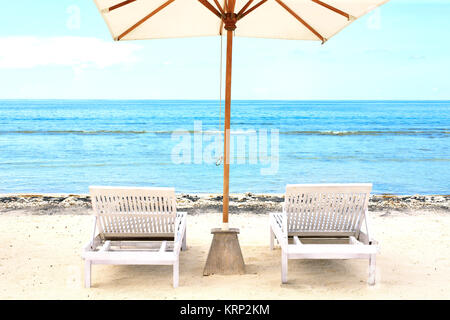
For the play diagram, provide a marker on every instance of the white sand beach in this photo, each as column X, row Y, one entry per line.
column 40, row 259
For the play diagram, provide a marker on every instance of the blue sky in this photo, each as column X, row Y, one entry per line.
column 62, row 49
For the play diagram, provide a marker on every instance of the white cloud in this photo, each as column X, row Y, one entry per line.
column 25, row 52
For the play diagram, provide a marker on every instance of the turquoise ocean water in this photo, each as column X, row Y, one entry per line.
column 402, row 147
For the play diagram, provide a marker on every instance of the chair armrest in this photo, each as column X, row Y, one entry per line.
column 88, row 246
column 366, row 237
column 91, row 245
column 180, row 228
column 367, row 240
column 276, row 220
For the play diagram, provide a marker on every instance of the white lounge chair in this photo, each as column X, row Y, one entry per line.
column 135, row 226
column 324, row 221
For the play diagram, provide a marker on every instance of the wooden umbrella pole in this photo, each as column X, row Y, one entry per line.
column 226, row 134
column 225, row 255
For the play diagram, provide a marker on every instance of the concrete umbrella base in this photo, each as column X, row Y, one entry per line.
column 225, row 256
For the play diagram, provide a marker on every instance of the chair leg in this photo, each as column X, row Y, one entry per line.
column 183, row 243
column 284, row 267
column 87, row 273
column 175, row 273
column 272, row 238
column 372, row 269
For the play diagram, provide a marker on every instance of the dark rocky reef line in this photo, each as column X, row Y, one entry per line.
column 202, row 203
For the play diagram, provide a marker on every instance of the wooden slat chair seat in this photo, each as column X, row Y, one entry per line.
column 135, row 226
column 324, row 221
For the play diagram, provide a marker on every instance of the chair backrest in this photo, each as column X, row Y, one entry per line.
column 134, row 212
column 326, row 209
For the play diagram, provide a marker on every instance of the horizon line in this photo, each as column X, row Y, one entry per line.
column 186, row 99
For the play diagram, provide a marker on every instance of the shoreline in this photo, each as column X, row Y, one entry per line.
column 196, row 203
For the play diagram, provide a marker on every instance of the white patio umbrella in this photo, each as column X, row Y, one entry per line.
column 314, row 20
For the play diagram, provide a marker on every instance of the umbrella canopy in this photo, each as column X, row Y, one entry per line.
column 280, row 19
